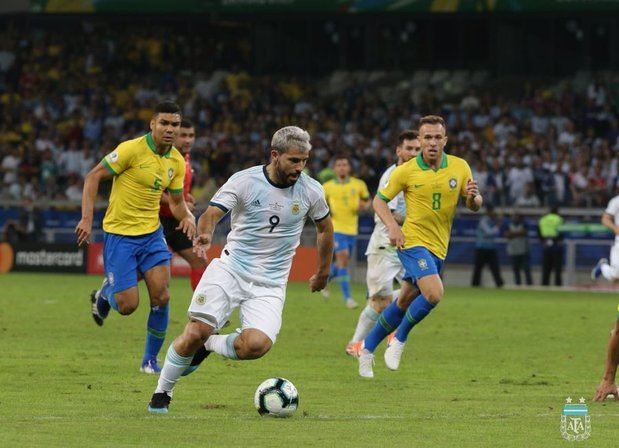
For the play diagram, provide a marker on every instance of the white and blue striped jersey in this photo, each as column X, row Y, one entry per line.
column 266, row 222
column 379, row 241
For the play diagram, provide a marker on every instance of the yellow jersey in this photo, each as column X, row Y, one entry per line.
column 140, row 177
column 343, row 199
column 431, row 199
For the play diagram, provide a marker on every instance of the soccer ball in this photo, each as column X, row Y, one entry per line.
column 276, row 397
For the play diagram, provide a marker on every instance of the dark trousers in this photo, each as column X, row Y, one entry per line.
column 552, row 260
column 521, row 262
column 491, row 258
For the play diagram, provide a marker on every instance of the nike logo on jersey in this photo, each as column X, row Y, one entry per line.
column 418, row 185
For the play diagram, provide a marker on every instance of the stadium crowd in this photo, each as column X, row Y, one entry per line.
column 66, row 102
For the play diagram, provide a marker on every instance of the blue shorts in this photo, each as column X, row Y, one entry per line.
column 419, row 262
column 124, row 255
column 344, row 242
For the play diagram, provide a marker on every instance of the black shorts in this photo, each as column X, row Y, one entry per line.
column 176, row 239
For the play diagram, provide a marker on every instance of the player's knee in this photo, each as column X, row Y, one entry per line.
column 378, row 304
column 434, row 295
column 195, row 335
column 125, row 307
column 254, row 347
column 161, row 297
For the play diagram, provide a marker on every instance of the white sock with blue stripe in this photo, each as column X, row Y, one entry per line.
column 222, row 344
column 173, row 367
column 367, row 320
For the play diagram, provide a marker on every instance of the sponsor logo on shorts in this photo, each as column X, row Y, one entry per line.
column 110, row 278
column 200, row 299
column 453, row 183
column 423, row 264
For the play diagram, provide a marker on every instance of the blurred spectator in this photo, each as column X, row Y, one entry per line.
column 518, row 248
column 27, row 228
column 486, row 251
column 10, row 165
column 528, row 198
column 67, row 102
column 517, row 179
column 552, row 252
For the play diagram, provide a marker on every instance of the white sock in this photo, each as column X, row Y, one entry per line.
column 222, row 344
column 367, row 320
column 395, row 295
column 609, row 272
column 173, row 367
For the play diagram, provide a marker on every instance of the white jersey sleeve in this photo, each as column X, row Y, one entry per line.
column 230, row 194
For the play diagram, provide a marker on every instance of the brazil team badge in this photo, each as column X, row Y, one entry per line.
column 452, row 183
column 575, row 420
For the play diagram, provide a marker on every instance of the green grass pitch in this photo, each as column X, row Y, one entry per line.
column 488, row 368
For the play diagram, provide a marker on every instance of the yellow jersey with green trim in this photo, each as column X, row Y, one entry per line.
column 343, row 199
column 140, row 177
column 431, row 198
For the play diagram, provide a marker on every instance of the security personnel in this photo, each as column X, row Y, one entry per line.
column 552, row 252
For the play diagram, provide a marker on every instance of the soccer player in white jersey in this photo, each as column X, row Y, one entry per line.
column 268, row 206
column 610, row 219
column 383, row 263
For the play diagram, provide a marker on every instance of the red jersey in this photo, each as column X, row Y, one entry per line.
column 164, row 209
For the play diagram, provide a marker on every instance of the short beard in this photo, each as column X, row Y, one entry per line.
column 283, row 177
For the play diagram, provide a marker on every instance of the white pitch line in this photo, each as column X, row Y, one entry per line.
column 318, row 417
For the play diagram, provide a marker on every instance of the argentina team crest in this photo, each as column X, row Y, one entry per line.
column 453, row 183
column 200, row 299
column 296, row 208
column 575, row 420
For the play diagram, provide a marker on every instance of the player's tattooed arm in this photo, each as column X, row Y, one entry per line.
column 206, row 226
column 324, row 241
column 89, row 195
